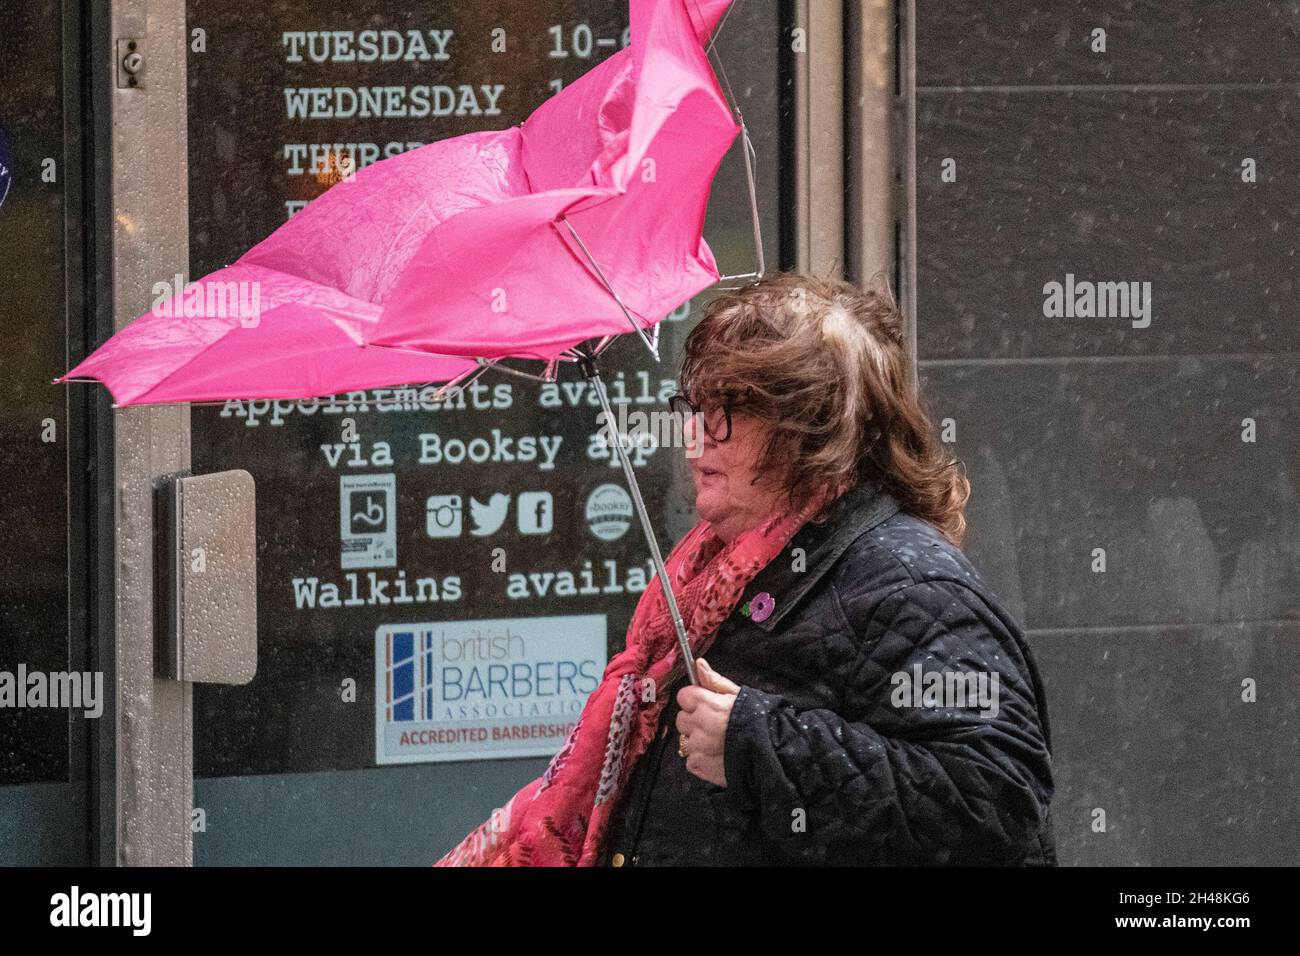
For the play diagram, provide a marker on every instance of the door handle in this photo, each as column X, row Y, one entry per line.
column 205, row 577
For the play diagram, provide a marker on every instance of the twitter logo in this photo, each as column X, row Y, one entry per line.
column 488, row 518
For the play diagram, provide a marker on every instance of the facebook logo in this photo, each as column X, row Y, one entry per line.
column 536, row 512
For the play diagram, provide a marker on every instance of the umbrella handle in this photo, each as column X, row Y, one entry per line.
column 588, row 364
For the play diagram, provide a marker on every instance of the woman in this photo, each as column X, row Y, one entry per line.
column 865, row 699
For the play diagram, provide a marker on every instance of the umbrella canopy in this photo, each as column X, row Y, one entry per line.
column 532, row 242
column 582, row 222
column 626, row 155
column 248, row 332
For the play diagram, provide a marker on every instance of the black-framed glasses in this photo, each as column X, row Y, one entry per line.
column 717, row 420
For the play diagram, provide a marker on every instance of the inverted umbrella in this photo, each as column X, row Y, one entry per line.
column 607, row 231
column 543, row 241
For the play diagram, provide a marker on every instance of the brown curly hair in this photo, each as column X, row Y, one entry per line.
column 823, row 363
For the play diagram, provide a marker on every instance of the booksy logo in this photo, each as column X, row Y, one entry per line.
column 74, row 908
column 81, row 691
column 1098, row 300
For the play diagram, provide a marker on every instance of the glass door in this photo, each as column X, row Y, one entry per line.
column 439, row 585
column 54, row 697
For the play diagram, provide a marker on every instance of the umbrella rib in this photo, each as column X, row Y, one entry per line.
column 751, row 157
column 388, row 253
column 496, row 364
column 459, row 382
column 718, row 30
column 714, row 39
column 653, row 346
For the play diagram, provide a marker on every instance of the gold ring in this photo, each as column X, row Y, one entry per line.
column 681, row 747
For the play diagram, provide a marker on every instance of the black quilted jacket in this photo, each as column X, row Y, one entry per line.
column 826, row 762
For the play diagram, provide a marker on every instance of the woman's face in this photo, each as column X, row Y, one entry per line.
column 729, row 492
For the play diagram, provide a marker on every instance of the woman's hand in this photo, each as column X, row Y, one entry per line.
column 702, row 722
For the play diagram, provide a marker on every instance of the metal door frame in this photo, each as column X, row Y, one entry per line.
column 817, row 147
column 845, row 173
column 89, row 472
column 147, row 235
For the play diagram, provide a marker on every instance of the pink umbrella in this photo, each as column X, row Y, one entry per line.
column 619, row 162
column 541, row 241
column 258, row 334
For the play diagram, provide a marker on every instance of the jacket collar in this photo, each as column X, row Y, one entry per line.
column 814, row 549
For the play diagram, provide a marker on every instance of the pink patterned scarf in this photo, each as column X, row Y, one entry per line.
column 561, row 818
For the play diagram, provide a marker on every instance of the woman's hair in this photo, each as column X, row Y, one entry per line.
column 823, row 364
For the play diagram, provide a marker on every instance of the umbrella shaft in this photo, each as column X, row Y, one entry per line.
column 660, row 571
